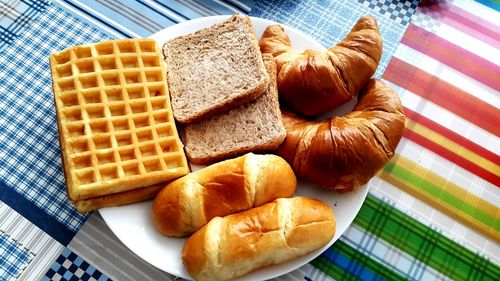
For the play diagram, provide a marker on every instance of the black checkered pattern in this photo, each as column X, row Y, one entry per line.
column 71, row 267
column 400, row 11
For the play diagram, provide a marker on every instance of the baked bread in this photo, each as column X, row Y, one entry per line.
column 344, row 152
column 119, row 199
column 116, row 128
column 276, row 232
column 188, row 203
column 315, row 82
column 214, row 69
column 255, row 126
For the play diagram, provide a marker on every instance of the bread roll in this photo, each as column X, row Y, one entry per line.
column 267, row 235
column 315, row 82
column 344, row 152
column 234, row 185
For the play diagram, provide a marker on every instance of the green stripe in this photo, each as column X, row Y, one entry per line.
column 357, row 257
column 436, row 191
column 424, row 243
column 332, row 269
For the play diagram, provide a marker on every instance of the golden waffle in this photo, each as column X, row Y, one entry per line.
column 116, row 128
column 118, row 199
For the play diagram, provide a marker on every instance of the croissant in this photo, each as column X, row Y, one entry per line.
column 315, row 82
column 344, row 152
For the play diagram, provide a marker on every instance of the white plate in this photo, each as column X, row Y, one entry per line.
column 133, row 224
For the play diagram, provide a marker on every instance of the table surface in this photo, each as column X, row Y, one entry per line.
column 432, row 212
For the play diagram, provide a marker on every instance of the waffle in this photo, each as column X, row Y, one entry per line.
column 116, row 128
column 118, row 199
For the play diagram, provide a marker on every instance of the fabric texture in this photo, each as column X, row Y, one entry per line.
column 431, row 214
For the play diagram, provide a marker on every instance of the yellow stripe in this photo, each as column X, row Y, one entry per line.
column 437, row 203
column 452, row 146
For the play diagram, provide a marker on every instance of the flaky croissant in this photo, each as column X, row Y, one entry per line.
column 315, row 82
column 344, row 152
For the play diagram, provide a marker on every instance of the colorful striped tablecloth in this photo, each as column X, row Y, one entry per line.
column 432, row 212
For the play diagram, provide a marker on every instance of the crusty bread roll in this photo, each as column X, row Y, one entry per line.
column 344, row 152
column 315, row 82
column 237, row 244
column 234, row 185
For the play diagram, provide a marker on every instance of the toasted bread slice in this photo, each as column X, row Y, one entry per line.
column 255, row 126
column 214, row 69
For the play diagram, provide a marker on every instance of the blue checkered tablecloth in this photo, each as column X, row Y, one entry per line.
column 42, row 237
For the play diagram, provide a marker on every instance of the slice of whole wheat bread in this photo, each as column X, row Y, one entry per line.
column 255, row 126
column 214, row 69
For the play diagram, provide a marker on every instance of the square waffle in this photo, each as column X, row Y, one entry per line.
column 116, row 127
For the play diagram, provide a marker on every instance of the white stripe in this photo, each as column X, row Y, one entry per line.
column 227, row 6
column 37, row 268
column 383, row 252
column 447, row 119
column 429, row 216
column 243, row 5
column 465, row 41
column 450, row 171
column 448, row 74
column 99, row 24
column 105, row 18
column 166, row 11
column 105, row 246
column 96, row 23
column 44, row 248
column 478, row 9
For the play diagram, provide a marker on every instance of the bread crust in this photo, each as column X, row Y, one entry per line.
column 119, row 199
column 315, row 82
column 344, row 152
column 176, row 81
column 273, row 233
column 238, row 143
column 186, row 204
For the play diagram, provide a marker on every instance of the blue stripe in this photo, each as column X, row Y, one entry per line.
column 29, row 13
column 217, row 8
column 492, row 4
column 131, row 15
column 98, row 19
column 158, row 12
column 36, row 215
column 235, row 5
column 348, row 264
column 176, row 9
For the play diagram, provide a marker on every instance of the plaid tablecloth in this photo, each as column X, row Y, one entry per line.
column 432, row 213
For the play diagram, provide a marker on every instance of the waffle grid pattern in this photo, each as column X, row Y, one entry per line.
column 115, row 116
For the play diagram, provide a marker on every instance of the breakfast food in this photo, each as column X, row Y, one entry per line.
column 214, row 69
column 255, row 126
column 234, row 185
column 119, row 199
column 314, row 82
column 276, row 232
column 116, row 128
column 344, row 152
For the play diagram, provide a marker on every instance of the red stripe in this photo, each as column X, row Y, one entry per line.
column 450, row 54
column 456, row 138
column 444, row 94
column 453, row 157
column 464, row 21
